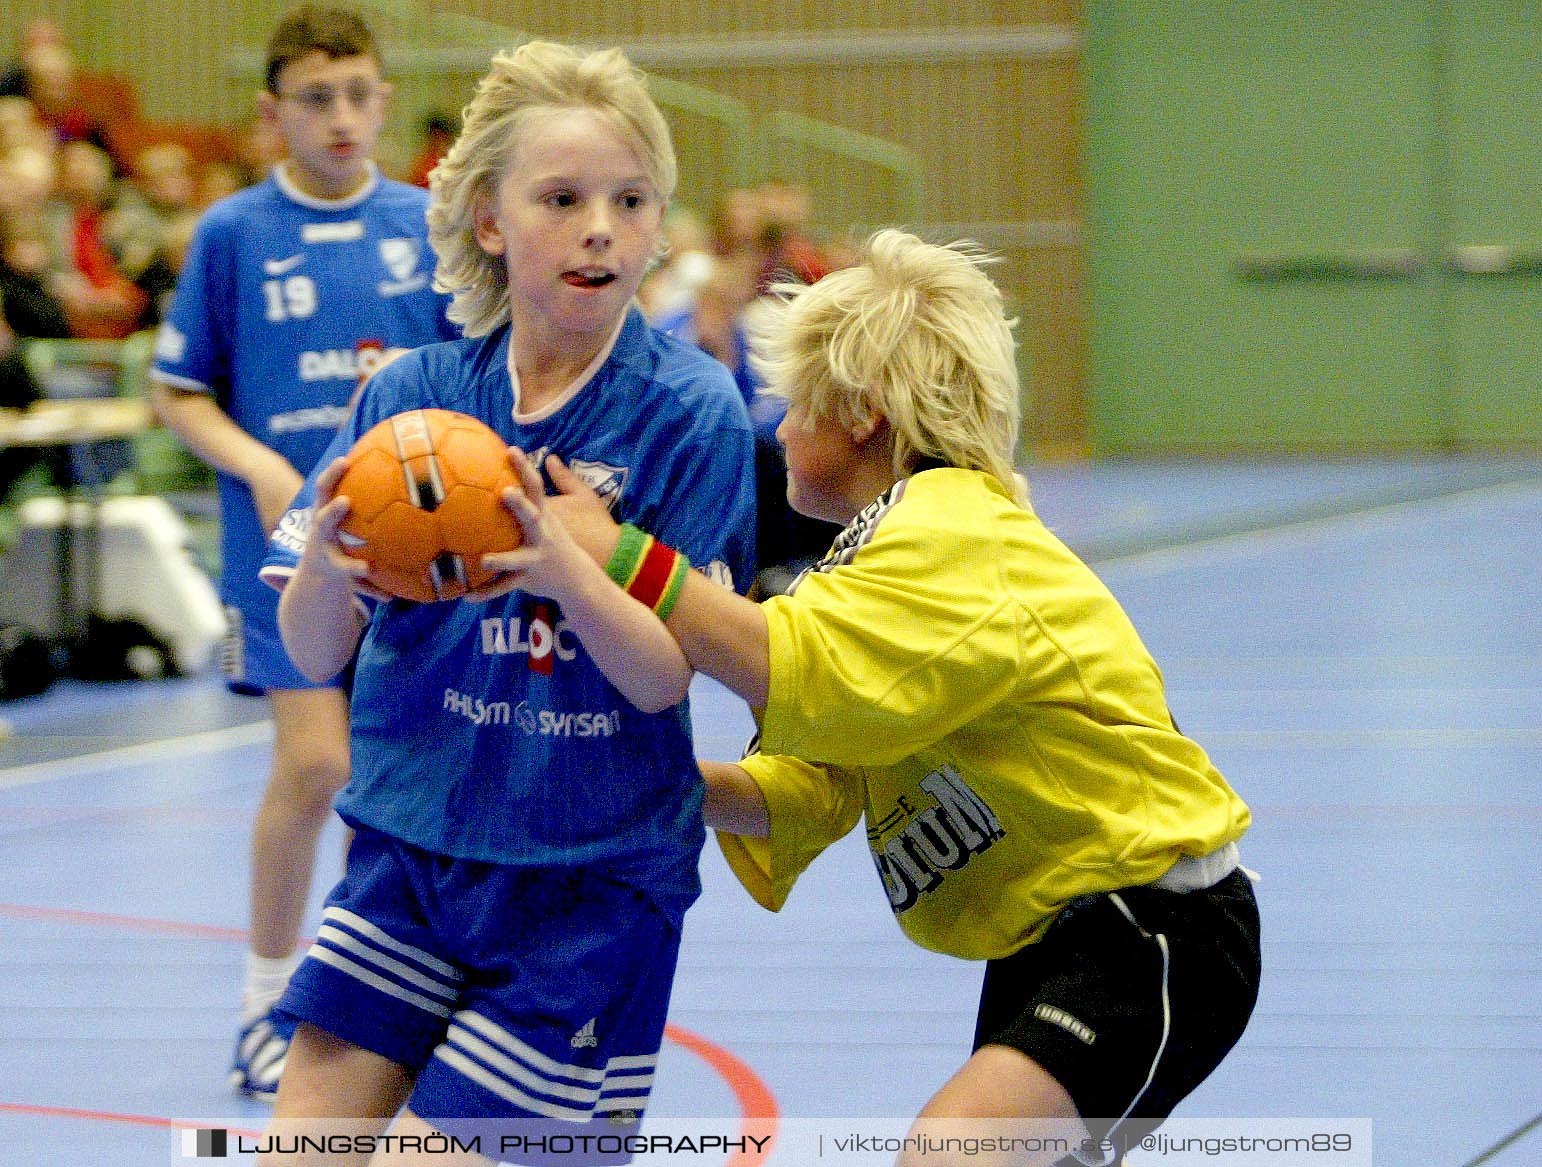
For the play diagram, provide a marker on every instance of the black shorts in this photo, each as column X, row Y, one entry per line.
column 1130, row 1012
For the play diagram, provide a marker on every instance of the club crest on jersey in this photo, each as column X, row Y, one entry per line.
column 605, row 480
column 916, row 847
column 400, row 256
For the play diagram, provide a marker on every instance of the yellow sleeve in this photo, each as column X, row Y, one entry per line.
column 887, row 654
column 810, row 807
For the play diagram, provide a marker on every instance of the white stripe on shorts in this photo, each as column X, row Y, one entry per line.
column 490, row 1055
column 511, row 1044
column 335, row 938
column 1106, row 1154
column 362, row 926
column 490, row 1081
column 375, row 981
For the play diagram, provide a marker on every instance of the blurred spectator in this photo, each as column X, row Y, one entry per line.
column 51, row 87
column 713, row 320
column 21, row 128
column 682, row 271
column 36, row 35
column 161, row 185
column 439, row 133
column 18, row 390
column 159, row 280
column 101, row 301
column 86, row 234
column 785, row 214
column 748, row 230
column 30, row 308
column 160, row 190
column 771, row 222
column 735, row 221
column 26, row 310
column 219, row 179
column 26, row 180
column 759, row 237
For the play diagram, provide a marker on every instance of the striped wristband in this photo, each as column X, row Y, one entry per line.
column 649, row 571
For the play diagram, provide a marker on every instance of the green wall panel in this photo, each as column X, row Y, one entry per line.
column 1273, row 199
column 1491, row 108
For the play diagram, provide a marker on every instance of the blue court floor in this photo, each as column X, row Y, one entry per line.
column 1357, row 643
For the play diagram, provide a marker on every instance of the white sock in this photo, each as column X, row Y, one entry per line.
column 265, row 981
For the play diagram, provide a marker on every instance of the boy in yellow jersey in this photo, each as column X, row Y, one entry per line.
column 954, row 674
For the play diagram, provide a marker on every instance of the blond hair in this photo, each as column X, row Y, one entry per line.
column 535, row 77
column 915, row 332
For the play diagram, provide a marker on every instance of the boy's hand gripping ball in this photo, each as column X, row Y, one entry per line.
column 424, row 491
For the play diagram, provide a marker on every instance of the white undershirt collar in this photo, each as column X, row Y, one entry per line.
column 572, row 390
column 290, row 188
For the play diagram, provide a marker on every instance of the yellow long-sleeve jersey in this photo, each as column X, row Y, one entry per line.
column 954, row 673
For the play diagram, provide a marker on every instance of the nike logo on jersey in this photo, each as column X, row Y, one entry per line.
column 277, row 267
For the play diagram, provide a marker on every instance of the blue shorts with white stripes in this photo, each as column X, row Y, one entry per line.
column 510, row 993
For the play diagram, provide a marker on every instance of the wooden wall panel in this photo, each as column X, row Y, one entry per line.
column 623, row 19
column 1047, row 288
column 994, row 138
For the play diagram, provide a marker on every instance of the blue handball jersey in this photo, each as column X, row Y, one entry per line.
column 282, row 302
column 485, row 731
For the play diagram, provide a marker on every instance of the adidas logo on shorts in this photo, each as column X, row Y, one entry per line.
column 585, row 1036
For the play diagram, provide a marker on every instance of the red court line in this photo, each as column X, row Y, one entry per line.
column 54, row 814
column 132, row 923
column 759, row 1114
column 111, row 1116
column 757, row 1104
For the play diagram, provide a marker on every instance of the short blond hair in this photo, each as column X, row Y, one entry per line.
column 915, row 332
column 535, row 77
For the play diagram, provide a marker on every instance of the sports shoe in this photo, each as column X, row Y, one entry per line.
column 261, row 1048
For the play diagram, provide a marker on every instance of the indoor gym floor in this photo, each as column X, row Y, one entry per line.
column 1357, row 643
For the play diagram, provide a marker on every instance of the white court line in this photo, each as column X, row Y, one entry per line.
column 1154, row 560
column 208, row 742
column 1388, row 737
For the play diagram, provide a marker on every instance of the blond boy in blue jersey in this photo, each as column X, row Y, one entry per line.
column 954, row 674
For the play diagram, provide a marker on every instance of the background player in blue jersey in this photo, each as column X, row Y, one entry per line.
column 292, row 288
column 526, row 806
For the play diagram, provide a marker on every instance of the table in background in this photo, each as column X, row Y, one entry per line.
column 83, row 429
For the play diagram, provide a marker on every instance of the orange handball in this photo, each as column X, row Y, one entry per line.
column 424, row 491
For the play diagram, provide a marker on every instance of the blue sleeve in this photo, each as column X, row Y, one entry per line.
column 705, row 506
column 714, row 525
column 193, row 347
column 288, row 540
